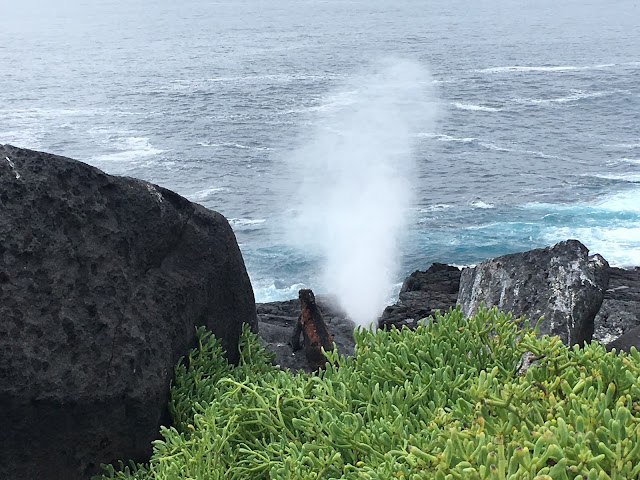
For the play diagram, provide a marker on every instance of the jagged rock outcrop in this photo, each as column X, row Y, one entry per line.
column 618, row 321
column 562, row 283
column 620, row 310
column 422, row 293
column 103, row 280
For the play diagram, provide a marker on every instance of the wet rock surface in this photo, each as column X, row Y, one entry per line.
column 103, row 280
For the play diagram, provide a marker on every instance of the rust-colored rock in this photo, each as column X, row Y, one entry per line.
column 315, row 332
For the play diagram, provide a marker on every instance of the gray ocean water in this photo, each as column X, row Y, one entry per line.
column 512, row 125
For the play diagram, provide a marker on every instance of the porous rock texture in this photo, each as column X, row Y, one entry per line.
column 103, row 280
column 422, row 293
column 562, row 283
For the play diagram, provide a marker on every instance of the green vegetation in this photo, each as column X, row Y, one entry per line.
column 446, row 401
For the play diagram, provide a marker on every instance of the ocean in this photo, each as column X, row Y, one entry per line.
column 348, row 142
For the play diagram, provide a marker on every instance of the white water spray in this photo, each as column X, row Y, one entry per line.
column 356, row 187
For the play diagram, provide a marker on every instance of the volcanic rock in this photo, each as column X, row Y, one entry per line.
column 422, row 293
column 618, row 320
column 103, row 281
column 630, row 338
column 561, row 283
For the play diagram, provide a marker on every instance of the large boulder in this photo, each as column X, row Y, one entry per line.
column 103, row 280
column 561, row 283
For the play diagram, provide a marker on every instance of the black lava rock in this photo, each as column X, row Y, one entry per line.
column 422, row 294
column 103, row 280
column 618, row 321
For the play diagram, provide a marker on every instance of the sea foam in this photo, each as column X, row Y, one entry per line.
column 205, row 194
column 544, row 68
column 574, row 96
column 616, row 236
column 618, row 245
column 246, row 223
column 130, row 148
column 478, row 108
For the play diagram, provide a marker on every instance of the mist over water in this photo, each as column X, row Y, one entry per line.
column 355, row 188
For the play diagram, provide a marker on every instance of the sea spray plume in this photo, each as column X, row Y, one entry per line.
column 355, row 190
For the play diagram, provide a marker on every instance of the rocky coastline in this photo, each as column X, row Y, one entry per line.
column 423, row 292
column 104, row 279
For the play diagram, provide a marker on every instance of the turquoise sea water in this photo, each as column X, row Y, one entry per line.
column 394, row 134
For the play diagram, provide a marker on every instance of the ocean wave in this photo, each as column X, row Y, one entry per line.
column 336, row 102
column 577, row 95
column 272, row 293
column 246, row 224
column 131, row 148
column 486, row 144
column 231, row 145
column 480, row 108
column 462, row 266
column 622, row 145
column 630, row 160
column 443, row 81
column 187, row 84
column 332, row 103
column 631, row 178
column 293, row 77
column 201, row 195
column 481, row 204
column 492, row 146
column 620, row 202
column 24, row 138
column 445, row 138
column 544, row 68
column 619, row 245
column 435, row 208
column 483, row 226
column 610, row 227
column 541, row 154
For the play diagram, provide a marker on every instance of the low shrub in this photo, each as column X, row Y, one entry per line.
column 447, row 400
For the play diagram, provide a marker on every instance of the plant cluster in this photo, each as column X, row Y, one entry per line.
column 447, row 400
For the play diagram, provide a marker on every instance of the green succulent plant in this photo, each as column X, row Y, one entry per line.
column 448, row 400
